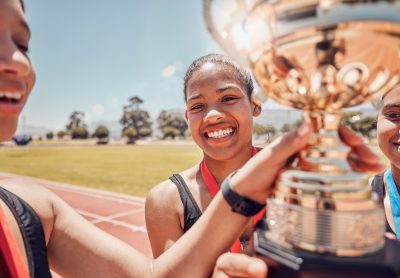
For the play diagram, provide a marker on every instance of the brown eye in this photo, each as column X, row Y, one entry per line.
column 229, row 98
column 196, row 107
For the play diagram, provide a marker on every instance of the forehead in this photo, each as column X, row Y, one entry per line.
column 212, row 74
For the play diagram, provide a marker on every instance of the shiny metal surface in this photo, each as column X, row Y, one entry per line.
column 318, row 56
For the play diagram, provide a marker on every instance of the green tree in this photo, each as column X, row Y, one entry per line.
column 172, row 123
column 137, row 119
column 285, row 128
column 61, row 134
column 79, row 133
column 101, row 133
column 76, row 119
column 131, row 134
column 49, row 135
column 171, row 132
column 259, row 129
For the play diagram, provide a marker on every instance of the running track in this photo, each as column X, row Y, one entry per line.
column 120, row 215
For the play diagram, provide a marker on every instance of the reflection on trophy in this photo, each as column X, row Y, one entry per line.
column 319, row 56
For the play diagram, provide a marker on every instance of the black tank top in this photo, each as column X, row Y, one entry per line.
column 378, row 186
column 32, row 234
column 191, row 211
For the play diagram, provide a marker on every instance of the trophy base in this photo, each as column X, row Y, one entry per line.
column 287, row 262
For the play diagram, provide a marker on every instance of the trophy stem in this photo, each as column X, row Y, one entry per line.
column 320, row 203
column 326, row 153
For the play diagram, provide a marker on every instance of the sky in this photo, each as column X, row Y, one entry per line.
column 93, row 55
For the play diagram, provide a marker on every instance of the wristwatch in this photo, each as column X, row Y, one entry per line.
column 238, row 203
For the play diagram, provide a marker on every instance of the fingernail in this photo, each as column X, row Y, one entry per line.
column 303, row 129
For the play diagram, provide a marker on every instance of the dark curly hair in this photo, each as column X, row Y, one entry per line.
column 242, row 75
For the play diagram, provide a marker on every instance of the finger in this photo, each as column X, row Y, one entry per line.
column 240, row 265
column 356, row 142
column 366, row 154
column 350, row 137
column 361, row 165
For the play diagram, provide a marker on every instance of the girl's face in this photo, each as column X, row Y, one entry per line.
column 219, row 112
column 388, row 126
column 17, row 75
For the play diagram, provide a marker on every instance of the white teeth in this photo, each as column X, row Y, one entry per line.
column 220, row 133
column 10, row 95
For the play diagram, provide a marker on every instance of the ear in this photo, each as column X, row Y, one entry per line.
column 256, row 109
column 186, row 115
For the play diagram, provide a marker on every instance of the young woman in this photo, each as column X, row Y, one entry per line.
column 387, row 184
column 40, row 225
column 219, row 111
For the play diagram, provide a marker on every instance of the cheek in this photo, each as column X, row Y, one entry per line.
column 386, row 131
column 30, row 79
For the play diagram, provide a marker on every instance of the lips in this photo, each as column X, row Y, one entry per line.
column 11, row 103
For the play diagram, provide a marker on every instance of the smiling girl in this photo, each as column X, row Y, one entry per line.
column 387, row 184
column 219, row 111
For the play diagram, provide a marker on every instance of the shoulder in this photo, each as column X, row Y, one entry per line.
column 165, row 195
column 38, row 197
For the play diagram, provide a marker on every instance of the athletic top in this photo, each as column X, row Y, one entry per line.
column 32, row 234
column 191, row 211
column 378, row 186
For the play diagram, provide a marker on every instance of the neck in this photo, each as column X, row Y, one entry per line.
column 220, row 169
column 396, row 176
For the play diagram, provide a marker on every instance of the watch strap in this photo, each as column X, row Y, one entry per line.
column 238, row 203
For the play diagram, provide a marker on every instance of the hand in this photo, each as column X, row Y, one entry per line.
column 361, row 158
column 239, row 265
column 256, row 178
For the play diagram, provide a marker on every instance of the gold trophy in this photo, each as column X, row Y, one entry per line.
column 321, row 57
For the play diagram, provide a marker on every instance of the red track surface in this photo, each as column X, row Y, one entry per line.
column 120, row 215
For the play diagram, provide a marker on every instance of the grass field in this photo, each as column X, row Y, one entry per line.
column 125, row 169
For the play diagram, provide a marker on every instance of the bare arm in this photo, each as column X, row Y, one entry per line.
column 77, row 248
column 162, row 217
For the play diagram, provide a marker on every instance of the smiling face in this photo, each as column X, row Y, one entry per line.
column 17, row 75
column 219, row 112
column 389, row 127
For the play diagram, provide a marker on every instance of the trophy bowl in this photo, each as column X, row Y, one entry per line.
column 321, row 57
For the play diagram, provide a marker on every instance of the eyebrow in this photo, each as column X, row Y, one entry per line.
column 219, row 90
column 227, row 87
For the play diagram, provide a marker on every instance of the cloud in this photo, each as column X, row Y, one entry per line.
column 98, row 109
column 171, row 69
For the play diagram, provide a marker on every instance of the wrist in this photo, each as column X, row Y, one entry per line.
column 239, row 203
column 244, row 185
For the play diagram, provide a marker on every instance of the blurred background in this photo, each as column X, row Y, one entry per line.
column 107, row 109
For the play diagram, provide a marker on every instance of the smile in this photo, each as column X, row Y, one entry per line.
column 217, row 134
column 9, row 97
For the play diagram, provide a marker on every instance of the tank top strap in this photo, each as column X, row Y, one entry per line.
column 32, row 233
column 191, row 210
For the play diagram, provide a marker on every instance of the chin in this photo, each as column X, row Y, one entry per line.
column 7, row 129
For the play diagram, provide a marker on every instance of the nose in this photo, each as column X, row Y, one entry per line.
column 214, row 115
column 13, row 61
